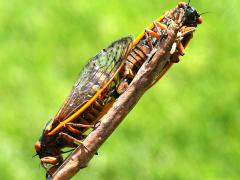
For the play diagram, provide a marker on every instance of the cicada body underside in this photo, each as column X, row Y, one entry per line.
column 185, row 17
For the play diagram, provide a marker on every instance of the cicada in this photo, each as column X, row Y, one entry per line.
column 91, row 96
column 106, row 76
column 185, row 17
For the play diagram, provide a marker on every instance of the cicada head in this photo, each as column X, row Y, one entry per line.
column 47, row 148
column 191, row 17
column 48, row 153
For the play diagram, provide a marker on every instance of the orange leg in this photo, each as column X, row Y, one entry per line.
column 157, row 27
column 81, row 125
column 148, row 39
column 49, row 160
column 187, row 30
column 70, row 140
column 161, row 25
column 184, row 29
column 152, row 33
column 180, row 48
column 72, row 129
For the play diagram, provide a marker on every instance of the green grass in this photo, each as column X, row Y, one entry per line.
column 186, row 127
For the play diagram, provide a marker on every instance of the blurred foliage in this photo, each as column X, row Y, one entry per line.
column 186, row 127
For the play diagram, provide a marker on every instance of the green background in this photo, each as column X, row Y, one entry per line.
column 186, row 127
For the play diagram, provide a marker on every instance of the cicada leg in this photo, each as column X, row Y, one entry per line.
column 160, row 25
column 73, row 141
column 72, row 129
column 180, row 48
column 152, row 33
column 93, row 126
column 122, row 87
column 50, row 160
column 81, row 125
column 55, row 161
column 148, row 39
column 185, row 31
column 70, row 140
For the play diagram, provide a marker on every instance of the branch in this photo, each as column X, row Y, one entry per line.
column 123, row 105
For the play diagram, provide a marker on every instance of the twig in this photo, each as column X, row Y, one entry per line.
column 144, row 78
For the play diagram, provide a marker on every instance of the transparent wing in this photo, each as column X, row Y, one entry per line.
column 98, row 71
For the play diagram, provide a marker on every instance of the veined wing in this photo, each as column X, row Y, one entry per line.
column 98, row 71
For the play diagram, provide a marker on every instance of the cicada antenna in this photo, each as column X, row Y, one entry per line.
column 35, row 155
column 63, row 152
column 203, row 13
column 189, row 1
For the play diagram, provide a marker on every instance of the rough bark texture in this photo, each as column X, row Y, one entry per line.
column 144, row 78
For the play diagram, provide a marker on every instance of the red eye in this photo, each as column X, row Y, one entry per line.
column 181, row 4
column 200, row 20
column 37, row 146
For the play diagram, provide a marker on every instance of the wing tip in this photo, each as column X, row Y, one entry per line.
column 126, row 40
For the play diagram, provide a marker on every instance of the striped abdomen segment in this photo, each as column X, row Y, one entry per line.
column 135, row 60
column 142, row 47
column 87, row 119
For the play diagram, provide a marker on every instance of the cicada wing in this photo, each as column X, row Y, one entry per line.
column 98, row 71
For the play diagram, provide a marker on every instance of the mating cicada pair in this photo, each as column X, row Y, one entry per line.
column 106, row 76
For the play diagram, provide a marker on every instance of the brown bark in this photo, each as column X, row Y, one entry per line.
column 123, row 105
